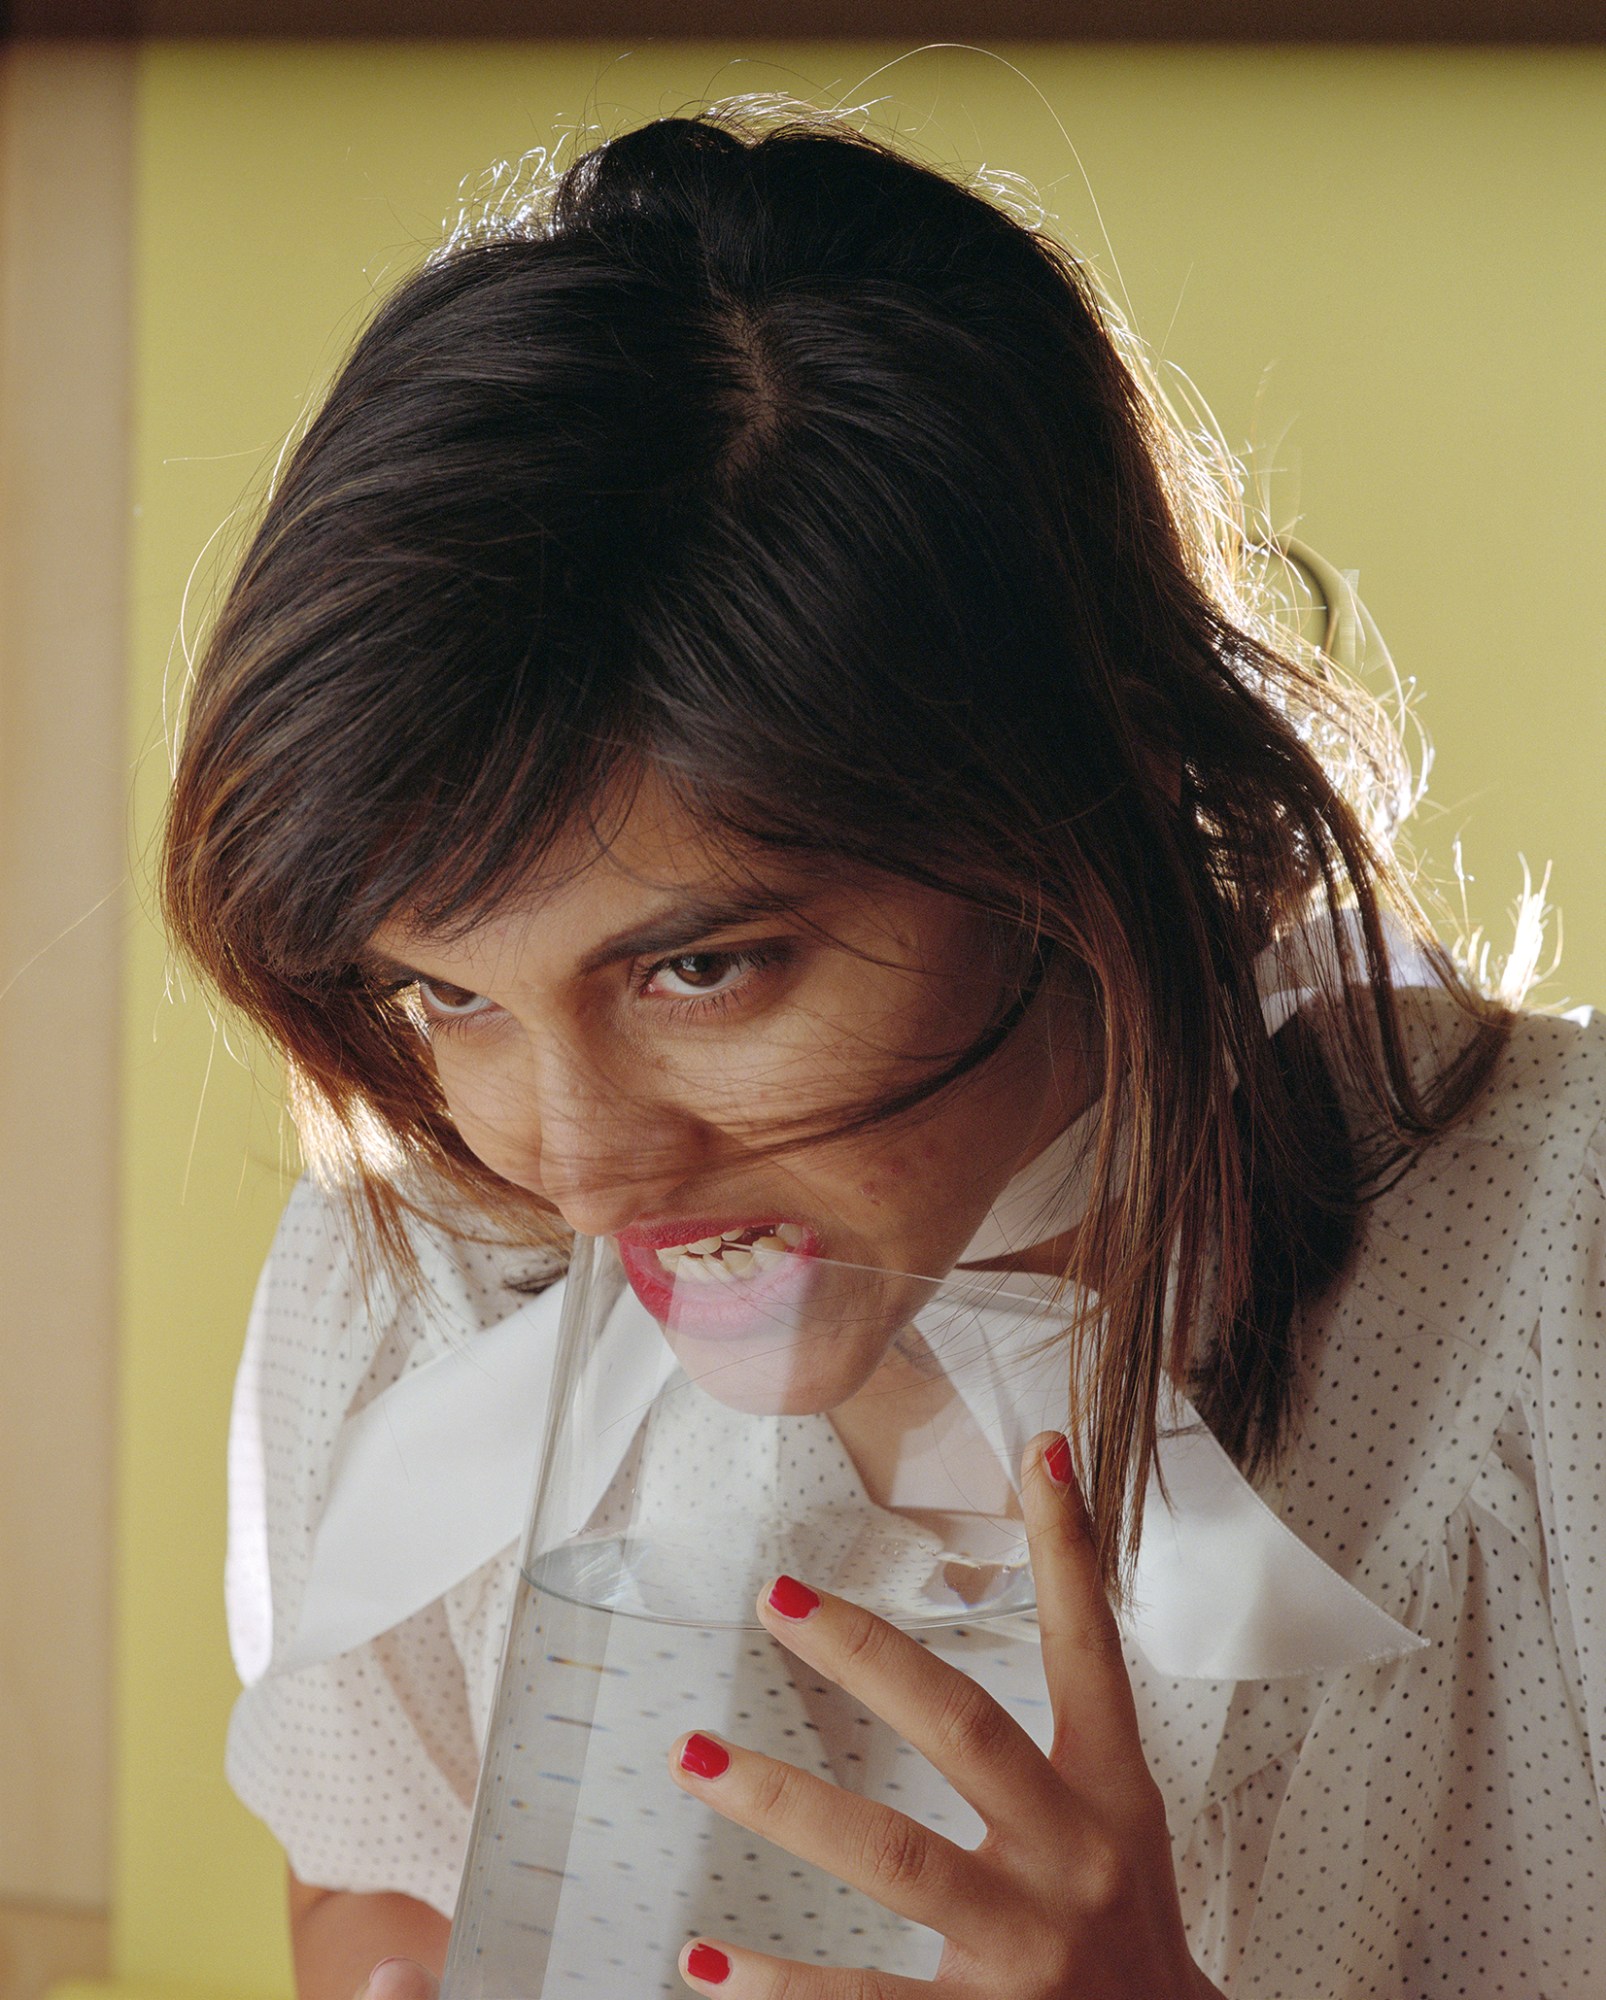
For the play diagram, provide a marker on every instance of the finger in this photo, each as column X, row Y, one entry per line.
column 900, row 1864
column 954, row 1723
column 1089, row 1688
column 735, row 1974
column 400, row 1979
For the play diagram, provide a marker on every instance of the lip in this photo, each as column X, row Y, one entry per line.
column 663, row 1235
column 728, row 1312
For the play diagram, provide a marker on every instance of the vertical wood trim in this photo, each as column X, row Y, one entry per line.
column 66, row 150
column 41, row 1946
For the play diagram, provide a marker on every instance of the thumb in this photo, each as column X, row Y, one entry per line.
column 401, row 1979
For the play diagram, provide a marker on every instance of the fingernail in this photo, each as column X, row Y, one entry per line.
column 1057, row 1460
column 382, row 1980
column 704, row 1758
column 793, row 1599
column 706, row 1961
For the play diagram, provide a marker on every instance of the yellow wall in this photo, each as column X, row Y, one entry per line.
column 1398, row 255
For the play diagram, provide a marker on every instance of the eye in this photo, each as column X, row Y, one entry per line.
column 706, row 982
column 442, row 1002
column 696, row 974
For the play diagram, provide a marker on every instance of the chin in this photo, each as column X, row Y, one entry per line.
column 796, row 1338
column 797, row 1377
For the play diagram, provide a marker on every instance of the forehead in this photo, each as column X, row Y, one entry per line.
column 640, row 862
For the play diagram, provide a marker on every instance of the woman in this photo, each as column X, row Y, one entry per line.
column 743, row 686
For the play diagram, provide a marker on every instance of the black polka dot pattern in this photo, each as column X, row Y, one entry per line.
column 1426, row 1828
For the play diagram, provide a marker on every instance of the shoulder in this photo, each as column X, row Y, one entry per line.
column 1548, row 1091
column 1467, row 1238
column 1411, row 1362
column 330, row 1329
column 1516, row 1161
column 326, row 1293
column 331, row 1325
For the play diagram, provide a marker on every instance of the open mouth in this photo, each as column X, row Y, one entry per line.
column 734, row 1253
column 717, row 1279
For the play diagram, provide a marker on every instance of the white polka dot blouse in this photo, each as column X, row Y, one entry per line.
column 1425, row 1826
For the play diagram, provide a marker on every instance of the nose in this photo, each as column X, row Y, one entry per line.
column 603, row 1150
column 604, row 1175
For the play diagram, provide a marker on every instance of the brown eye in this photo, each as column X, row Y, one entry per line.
column 700, row 969
column 710, row 979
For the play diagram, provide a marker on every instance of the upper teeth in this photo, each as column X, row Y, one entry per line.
column 730, row 1255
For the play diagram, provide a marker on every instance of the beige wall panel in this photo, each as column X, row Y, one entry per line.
column 65, row 150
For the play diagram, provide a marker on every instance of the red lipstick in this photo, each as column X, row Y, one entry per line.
column 721, row 1303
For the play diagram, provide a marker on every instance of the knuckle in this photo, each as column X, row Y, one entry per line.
column 1097, row 1634
column 866, row 1640
column 1103, row 1879
column 970, row 1724
column 774, row 1793
column 894, row 1854
column 1148, row 1806
column 856, row 1985
column 788, row 1981
column 783, row 1981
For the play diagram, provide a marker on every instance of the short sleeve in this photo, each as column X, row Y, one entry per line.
column 363, row 1767
column 1570, row 1449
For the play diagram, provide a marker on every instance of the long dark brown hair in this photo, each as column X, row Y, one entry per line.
column 761, row 457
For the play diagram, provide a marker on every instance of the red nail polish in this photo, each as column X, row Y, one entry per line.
column 793, row 1599
column 1057, row 1458
column 706, row 1961
column 704, row 1758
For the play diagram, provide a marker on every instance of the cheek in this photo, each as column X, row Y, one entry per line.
column 917, row 1171
column 485, row 1109
column 951, row 1165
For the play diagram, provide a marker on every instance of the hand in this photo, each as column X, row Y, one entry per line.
column 1071, row 1894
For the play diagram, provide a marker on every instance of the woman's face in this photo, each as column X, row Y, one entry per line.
column 628, row 1043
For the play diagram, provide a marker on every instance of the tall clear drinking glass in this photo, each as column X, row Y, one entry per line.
column 721, row 1413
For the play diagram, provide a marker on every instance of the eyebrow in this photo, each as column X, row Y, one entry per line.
column 681, row 924
column 675, row 927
